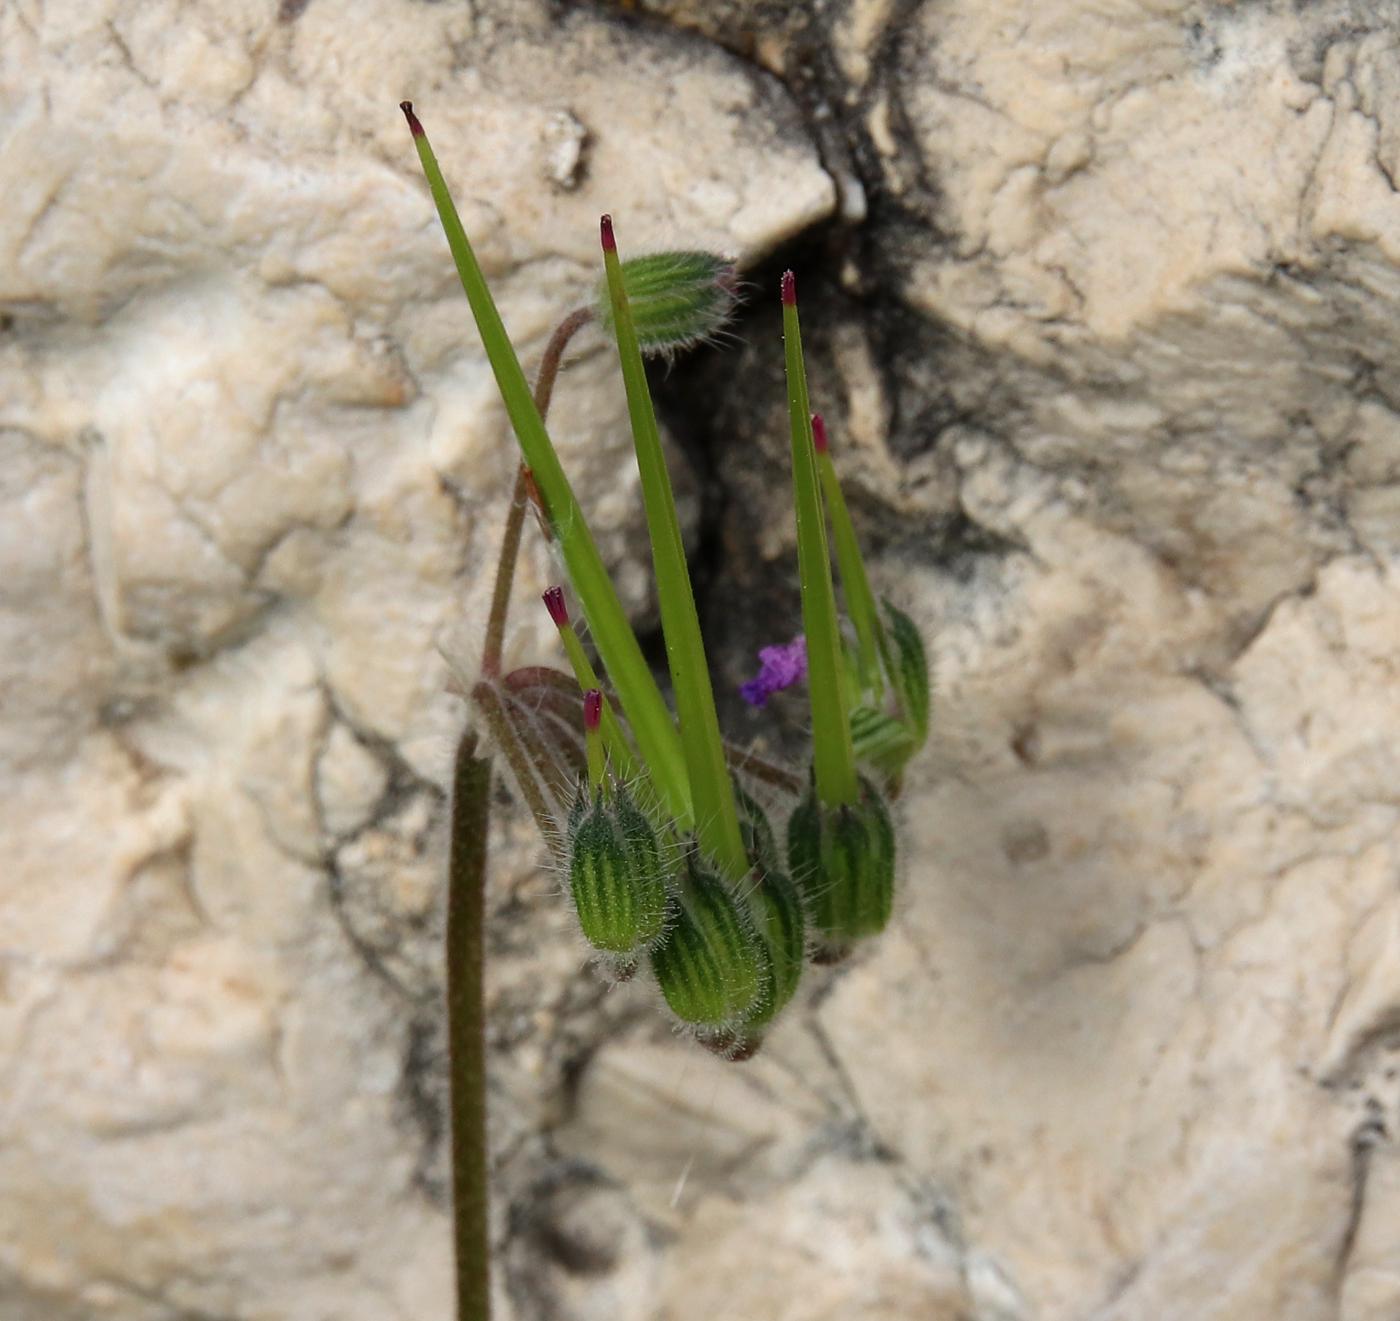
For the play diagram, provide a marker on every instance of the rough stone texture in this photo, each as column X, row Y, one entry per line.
column 1101, row 309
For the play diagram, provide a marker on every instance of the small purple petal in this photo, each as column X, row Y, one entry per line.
column 780, row 667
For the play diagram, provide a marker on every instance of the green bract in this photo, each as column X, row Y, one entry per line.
column 781, row 923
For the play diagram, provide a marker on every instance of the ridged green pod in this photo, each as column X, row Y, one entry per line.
column 781, row 924
column 616, row 875
column 760, row 843
column 637, row 835
column 676, row 298
column 842, row 860
column 711, row 965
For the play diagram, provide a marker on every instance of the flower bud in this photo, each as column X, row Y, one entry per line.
column 616, row 873
column 842, row 859
column 711, row 964
column 677, row 298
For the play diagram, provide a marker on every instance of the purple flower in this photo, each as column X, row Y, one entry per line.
column 781, row 667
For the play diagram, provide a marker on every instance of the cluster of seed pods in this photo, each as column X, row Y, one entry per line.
column 664, row 830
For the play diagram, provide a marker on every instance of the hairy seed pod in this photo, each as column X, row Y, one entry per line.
column 677, row 298
column 842, row 859
column 781, row 925
column 616, row 874
column 711, row 964
column 760, row 844
column 638, row 837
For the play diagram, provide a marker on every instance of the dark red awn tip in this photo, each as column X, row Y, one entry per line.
column 789, row 289
column 818, row 433
column 414, row 126
column 606, row 229
column 592, row 709
column 554, row 603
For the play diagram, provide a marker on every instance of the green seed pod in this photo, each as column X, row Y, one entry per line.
column 677, row 298
column 711, row 964
column 782, row 926
column 910, row 671
column 760, row 843
column 842, row 859
column 776, row 911
column 616, row 874
column 638, row 837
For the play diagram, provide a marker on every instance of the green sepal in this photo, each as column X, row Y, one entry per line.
column 616, row 873
column 760, row 843
column 781, row 924
column 638, row 837
column 842, row 860
column 711, row 965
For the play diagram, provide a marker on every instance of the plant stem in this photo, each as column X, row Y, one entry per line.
column 554, row 356
column 741, row 761
column 466, row 1028
column 505, row 579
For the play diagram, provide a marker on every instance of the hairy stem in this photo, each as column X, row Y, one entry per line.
column 515, row 519
column 466, row 1027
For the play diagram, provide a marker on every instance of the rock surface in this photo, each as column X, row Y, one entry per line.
column 1100, row 302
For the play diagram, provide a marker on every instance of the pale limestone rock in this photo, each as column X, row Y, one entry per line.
column 253, row 474
column 350, row 782
column 1127, row 1051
